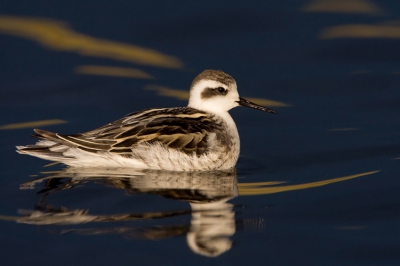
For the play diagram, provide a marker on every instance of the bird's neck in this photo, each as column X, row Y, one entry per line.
column 227, row 118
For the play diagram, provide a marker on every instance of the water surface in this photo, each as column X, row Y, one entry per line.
column 315, row 184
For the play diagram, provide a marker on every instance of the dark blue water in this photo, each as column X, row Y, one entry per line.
column 328, row 162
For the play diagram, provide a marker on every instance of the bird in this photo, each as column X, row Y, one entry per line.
column 199, row 137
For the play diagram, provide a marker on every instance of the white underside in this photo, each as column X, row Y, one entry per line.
column 145, row 156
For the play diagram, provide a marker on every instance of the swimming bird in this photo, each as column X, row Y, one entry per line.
column 199, row 137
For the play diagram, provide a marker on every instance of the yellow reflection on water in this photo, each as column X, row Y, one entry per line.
column 164, row 91
column 247, row 189
column 259, row 184
column 386, row 30
column 112, row 71
column 33, row 124
column 57, row 35
column 184, row 95
column 343, row 6
column 267, row 102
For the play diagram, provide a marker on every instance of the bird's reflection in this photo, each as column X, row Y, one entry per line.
column 212, row 217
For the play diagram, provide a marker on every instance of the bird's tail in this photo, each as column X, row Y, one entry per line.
column 50, row 147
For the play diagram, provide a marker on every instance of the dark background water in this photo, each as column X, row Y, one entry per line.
column 336, row 66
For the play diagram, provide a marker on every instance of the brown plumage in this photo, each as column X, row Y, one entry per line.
column 184, row 129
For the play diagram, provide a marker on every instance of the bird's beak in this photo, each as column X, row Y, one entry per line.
column 246, row 103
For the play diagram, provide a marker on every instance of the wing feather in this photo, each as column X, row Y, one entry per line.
column 185, row 129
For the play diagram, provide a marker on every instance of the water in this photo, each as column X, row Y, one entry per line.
column 315, row 184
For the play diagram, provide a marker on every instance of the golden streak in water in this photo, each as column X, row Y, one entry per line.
column 164, row 91
column 258, row 184
column 33, row 124
column 112, row 71
column 245, row 189
column 343, row 6
column 184, row 95
column 266, row 102
column 390, row 30
column 51, row 164
column 57, row 35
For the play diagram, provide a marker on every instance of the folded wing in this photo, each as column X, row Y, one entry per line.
column 184, row 129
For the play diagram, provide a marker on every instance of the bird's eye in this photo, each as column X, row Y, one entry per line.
column 221, row 89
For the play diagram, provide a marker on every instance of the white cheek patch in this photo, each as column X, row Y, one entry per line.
column 205, row 96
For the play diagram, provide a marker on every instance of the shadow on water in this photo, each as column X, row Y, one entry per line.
column 212, row 223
